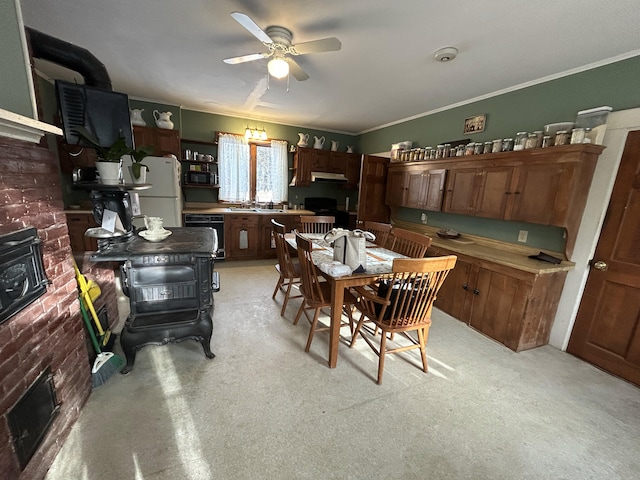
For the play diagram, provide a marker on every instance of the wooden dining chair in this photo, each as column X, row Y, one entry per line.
column 316, row 294
column 317, row 223
column 409, row 243
column 402, row 303
column 288, row 269
column 380, row 230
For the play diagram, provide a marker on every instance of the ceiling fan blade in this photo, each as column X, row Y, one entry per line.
column 246, row 58
column 296, row 70
column 250, row 25
column 325, row 45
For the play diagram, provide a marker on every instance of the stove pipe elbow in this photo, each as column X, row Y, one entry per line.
column 71, row 56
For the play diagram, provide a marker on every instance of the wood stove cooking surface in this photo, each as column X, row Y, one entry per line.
column 201, row 242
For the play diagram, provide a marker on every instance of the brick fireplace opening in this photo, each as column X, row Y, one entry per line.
column 48, row 334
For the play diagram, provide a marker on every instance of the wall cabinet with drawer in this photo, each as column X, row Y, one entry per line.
column 512, row 306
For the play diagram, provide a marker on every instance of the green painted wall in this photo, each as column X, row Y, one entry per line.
column 528, row 109
column 15, row 94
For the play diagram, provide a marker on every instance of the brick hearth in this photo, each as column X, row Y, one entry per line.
column 50, row 331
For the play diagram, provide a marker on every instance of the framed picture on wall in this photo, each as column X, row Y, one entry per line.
column 475, row 124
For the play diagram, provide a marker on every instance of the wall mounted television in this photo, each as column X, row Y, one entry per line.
column 104, row 113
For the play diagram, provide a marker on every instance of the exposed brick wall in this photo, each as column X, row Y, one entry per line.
column 50, row 331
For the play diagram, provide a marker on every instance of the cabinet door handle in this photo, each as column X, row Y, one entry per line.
column 476, row 291
column 465, row 286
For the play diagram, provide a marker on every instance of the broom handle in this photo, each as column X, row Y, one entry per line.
column 89, row 303
column 87, row 323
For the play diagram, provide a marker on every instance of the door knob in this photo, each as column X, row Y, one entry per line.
column 600, row 265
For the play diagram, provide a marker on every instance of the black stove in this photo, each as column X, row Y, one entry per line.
column 327, row 206
column 169, row 285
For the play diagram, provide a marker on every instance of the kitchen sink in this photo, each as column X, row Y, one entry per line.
column 242, row 209
column 257, row 210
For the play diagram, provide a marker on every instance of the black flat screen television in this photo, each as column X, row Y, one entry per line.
column 104, row 113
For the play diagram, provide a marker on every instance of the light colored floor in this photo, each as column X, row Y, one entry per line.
column 264, row 409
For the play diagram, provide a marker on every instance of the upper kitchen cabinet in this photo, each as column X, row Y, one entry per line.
column 547, row 186
column 417, row 186
column 165, row 142
column 307, row 160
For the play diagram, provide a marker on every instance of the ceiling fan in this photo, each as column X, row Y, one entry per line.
column 278, row 41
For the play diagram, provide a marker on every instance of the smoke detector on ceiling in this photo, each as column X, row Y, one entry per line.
column 446, row 54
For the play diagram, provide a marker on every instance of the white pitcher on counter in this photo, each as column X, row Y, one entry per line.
column 318, row 142
column 334, row 145
column 163, row 119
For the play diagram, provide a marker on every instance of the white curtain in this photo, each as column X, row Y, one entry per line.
column 233, row 168
column 272, row 172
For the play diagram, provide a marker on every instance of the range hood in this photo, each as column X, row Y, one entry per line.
column 327, row 177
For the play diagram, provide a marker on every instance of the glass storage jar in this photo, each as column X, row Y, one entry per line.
column 562, row 138
column 520, row 141
column 496, row 145
column 507, row 144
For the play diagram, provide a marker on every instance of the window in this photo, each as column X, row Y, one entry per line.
column 251, row 171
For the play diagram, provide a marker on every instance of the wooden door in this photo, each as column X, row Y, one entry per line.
column 461, row 191
column 607, row 328
column 373, row 184
column 493, row 191
column 302, row 165
column 397, row 188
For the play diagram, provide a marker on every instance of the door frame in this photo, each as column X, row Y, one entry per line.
column 618, row 126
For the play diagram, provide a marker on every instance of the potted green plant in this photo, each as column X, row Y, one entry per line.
column 138, row 169
column 109, row 162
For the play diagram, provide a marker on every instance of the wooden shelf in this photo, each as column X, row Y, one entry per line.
column 198, row 142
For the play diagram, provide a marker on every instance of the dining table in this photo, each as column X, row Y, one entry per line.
column 379, row 263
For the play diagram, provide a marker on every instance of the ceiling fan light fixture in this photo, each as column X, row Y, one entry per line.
column 278, row 67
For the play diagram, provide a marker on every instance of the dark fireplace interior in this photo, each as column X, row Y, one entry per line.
column 31, row 417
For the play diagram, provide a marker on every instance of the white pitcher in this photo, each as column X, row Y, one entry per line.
column 136, row 117
column 304, row 139
column 318, row 142
column 163, row 119
column 334, row 145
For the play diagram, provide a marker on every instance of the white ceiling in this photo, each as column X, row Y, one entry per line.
column 172, row 52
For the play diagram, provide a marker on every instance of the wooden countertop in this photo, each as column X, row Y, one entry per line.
column 208, row 208
column 502, row 253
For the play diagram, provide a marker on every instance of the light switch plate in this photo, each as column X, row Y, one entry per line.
column 522, row 236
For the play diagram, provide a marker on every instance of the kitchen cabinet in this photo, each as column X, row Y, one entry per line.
column 267, row 246
column 78, row 223
column 307, row 160
column 483, row 192
column 248, row 236
column 512, row 306
column 547, row 186
column 416, row 187
column 165, row 142
column 243, row 241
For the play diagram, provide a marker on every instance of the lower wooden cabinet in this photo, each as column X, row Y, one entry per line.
column 244, row 236
column 78, row 223
column 248, row 237
column 514, row 307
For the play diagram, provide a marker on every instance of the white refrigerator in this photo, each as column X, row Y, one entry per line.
column 164, row 198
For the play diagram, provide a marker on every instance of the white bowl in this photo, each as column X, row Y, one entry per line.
column 155, row 236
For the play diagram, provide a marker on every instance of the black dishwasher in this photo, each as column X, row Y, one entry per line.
column 208, row 220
